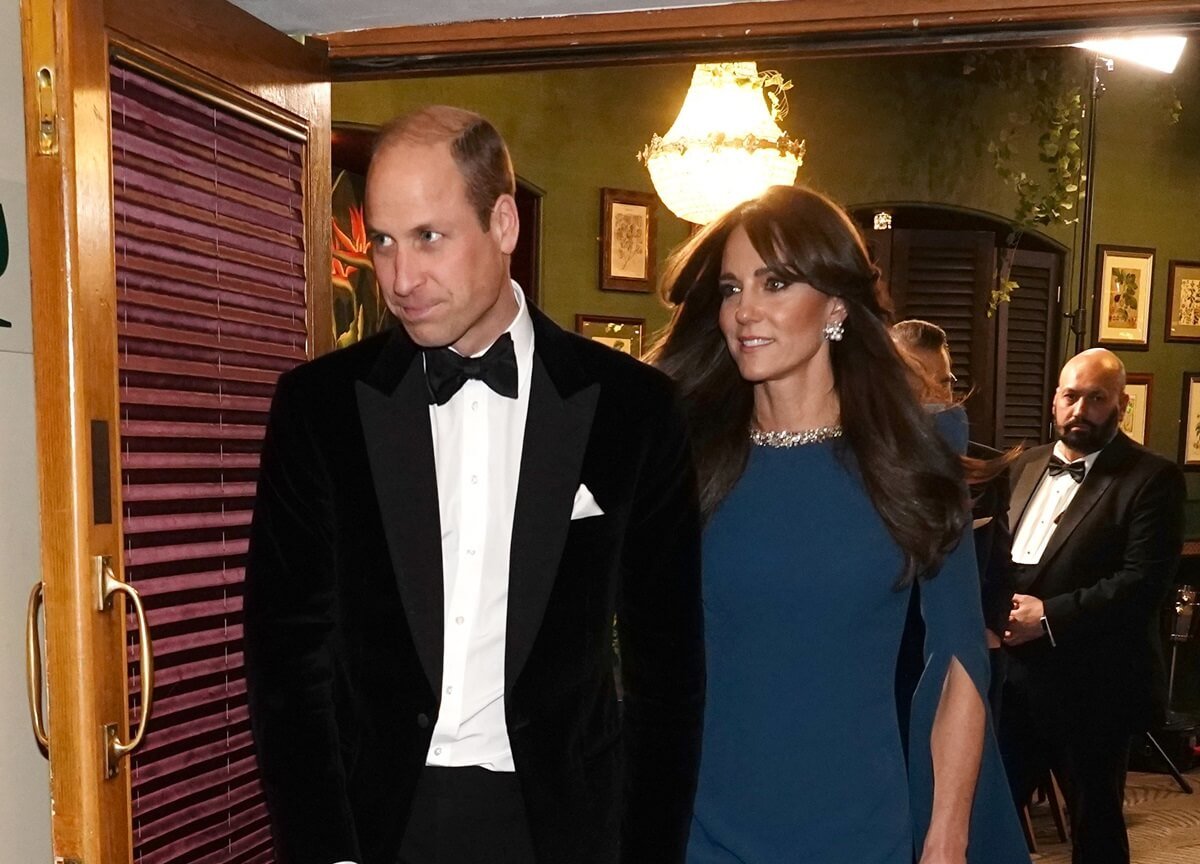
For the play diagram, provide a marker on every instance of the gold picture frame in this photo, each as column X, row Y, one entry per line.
column 1136, row 422
column 1189, row 414
column 1124, row 279
column 621, row 334
column 627, row 239
column 1183, row 301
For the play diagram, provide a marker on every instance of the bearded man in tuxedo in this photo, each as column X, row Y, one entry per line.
column 1099, row 528
column 450, row 515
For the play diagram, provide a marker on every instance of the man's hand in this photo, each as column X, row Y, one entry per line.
column 1025, row 620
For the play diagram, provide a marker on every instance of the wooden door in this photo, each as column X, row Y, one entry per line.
column 179, row 230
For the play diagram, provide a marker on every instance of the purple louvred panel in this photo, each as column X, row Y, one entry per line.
column 211, row 309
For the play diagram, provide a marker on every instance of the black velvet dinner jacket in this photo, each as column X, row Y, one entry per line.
column 344, row 606
column 1102, row 578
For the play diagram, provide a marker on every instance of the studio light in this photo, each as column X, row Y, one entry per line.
column 1153, row 52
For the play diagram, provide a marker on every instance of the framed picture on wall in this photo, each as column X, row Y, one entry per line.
column 1136, row 422
column 1124, row 277
column 620, row 334
column 1189, row 417
column 358, row 308
column 1183, row 301
column 627, row 229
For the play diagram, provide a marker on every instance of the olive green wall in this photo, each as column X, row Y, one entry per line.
column 571, row 134
column 878, row 130
column 1147, row 188
column 574, row 132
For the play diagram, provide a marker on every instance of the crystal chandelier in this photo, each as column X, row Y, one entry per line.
column 725, row 146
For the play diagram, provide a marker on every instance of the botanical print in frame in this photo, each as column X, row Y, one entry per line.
column 1124, row 277
column 620, row 334
column 1183, row 302
column 1189, row 434
column 1136, row 422
column 627, row 235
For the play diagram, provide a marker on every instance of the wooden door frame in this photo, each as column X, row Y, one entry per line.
column 813, row 27
column 68, row 44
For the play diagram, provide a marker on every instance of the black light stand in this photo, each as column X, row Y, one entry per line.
column 1184, row 786
column 1078, row 316
column 1181, row 631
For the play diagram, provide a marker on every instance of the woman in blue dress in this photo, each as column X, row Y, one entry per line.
column 827, row 491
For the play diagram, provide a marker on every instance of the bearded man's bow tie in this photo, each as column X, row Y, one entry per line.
column 1075, row 469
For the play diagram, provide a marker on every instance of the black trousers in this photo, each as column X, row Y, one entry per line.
column 467, row 816
column 1090, row 761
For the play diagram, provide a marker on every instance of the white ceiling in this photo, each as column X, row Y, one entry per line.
column 322, row 16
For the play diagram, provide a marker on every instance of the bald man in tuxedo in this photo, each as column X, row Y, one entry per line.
column 1098, row 533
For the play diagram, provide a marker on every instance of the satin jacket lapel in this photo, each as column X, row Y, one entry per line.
column 1094, row 485
column 557, row 429
column 1022, row 491
column 393, row 405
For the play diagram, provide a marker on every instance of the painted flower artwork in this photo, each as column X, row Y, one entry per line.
column 1189, row 302
column 629, row 242
column 358, row 308
column 1123, row 305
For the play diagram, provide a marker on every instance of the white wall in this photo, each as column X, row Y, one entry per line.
column 24, row 779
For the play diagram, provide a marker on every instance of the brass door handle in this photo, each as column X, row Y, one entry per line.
column 33, row 668
column 108, row 585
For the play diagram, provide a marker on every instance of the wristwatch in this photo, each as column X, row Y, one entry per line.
column 1049, row 633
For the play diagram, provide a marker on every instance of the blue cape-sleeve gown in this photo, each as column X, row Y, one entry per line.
column 802, row 761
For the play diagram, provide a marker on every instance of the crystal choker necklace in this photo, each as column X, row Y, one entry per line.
column 795, row 439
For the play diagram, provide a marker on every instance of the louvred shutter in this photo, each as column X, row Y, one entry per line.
column 945, row 277
column 1028, row 325
column 211, row 309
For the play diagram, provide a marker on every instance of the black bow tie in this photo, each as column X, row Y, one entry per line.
column 1075, row 469
column 446, row 370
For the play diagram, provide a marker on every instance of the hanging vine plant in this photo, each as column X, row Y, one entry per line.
column 1049, row 90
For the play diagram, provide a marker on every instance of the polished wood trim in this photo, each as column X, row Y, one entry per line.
column 70, row 336
column 530, row 42
column 220, row 38
column 318, row 217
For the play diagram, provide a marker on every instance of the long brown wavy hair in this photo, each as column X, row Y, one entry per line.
column 915, row 337
column 913, row 478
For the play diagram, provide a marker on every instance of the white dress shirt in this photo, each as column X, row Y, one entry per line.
column 1045, row 508
column 477, row 442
